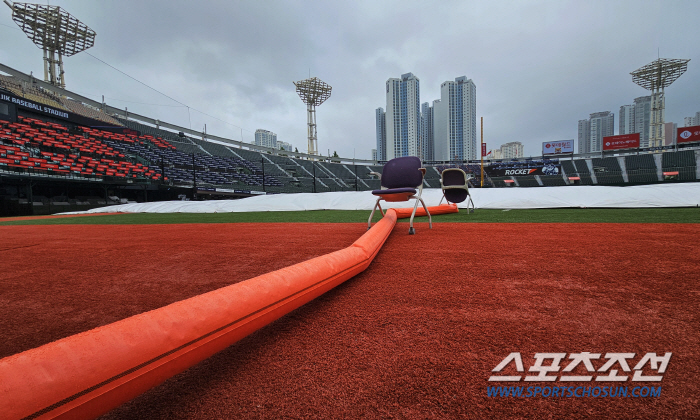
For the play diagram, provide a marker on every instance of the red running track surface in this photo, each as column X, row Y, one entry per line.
column 57, row 281
column 414, row 336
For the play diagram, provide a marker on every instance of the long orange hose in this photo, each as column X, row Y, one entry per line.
column 88, row 374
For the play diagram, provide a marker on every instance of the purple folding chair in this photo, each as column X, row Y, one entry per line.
column 401, row 180
column 455, row 187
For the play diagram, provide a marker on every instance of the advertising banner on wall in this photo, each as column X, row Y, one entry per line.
column 688, row 134
column 559, row 147
column 548, row 169
column 623, row 141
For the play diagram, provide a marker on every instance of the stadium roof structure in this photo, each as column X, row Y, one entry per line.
column 56, row 32
column 660, row 73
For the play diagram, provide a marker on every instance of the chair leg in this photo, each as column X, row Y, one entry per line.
column 371, row 215
column 443, row 197
column 369, row 221
column 430, row 218
column 412, row 231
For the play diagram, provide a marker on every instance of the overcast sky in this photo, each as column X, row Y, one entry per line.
column 538, row 66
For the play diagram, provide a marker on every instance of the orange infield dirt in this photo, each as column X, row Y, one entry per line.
column 414, row 336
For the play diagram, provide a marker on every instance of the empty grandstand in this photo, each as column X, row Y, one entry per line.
column 607, row 171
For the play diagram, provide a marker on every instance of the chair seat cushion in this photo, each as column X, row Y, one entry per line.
column 395, row 194
column 456, row 195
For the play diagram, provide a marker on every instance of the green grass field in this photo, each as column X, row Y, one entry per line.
column 651, row 215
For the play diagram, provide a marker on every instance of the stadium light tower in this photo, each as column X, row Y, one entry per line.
column 656, row 76
column 56, row 32
column 313, row 92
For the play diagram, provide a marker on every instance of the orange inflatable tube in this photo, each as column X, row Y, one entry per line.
column 88, row 374
column 443, row 209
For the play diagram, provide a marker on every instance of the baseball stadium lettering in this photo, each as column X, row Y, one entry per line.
column 55, row 112
column 37, row 107
column 27, row 104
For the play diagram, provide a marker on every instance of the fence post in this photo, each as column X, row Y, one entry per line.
column 356, row 177
column 194, row 177
column 262, row 163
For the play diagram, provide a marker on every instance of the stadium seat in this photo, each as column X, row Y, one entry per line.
column 455, row 187
column 402, row 180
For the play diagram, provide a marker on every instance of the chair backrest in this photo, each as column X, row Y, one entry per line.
column 402, row 172
column 455, row 177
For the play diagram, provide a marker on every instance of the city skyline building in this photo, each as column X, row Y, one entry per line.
column 455, row 121
column 602, row 125
column 670, row 132
column 636, row 118
column 510, row 150
column 626, row 119
column 402, row 117
column 427, row 138
column 592, row 131
column 692, row 121
column 283, row 145
column 584, row 136
column 265, row 138
column 642, row 119
column 380, row 121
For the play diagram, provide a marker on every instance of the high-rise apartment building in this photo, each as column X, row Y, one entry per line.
column 455, row 121
column 602, row 125
column 426, row 132
column 692, row 121
column 642, row 119
column 636, row 118
column 283, row 145
column 670, row 132
column 592, row 131
column 402, row 116
column 626, row 119
column 584, row 136
column 380, row 121
column 510, row 150
column 265, row 138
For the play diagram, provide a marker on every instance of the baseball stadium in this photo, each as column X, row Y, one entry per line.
column 152, row 271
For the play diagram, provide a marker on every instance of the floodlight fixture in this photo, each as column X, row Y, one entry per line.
column 313, row 92
column 56, row 32
column 656, row 76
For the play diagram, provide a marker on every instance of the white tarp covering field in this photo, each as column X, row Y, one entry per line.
column 659, row 195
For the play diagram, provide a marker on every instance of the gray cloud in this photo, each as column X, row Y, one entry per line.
column 539, row 66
